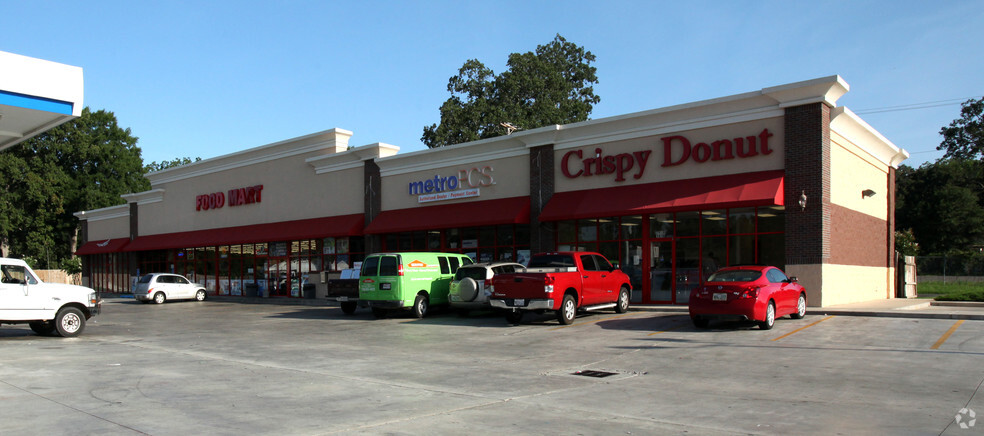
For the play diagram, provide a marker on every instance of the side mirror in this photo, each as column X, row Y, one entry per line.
column 793, row 279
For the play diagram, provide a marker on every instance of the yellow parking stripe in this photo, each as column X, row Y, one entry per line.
column 668, row 330
column 946, row 335
column 803, row 328
column 591, row 322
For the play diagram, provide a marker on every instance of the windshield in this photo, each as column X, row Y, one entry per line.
column 741, row 275
column 552, row 261
column 146, row 278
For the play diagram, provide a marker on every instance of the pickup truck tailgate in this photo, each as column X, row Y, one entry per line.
column 519, row 285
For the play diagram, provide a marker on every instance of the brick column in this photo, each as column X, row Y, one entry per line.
column 541, row 190
column 373, row 202
column 807, row 131
column 807, row 166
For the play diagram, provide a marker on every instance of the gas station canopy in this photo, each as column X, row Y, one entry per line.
column 36, row 95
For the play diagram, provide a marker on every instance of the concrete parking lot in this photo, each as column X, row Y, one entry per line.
column 232, row 368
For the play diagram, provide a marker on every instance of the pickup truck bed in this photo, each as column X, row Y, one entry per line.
column 565, row 282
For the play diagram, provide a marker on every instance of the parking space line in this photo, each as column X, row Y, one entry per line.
column 804, row 328
column 946, row 335
column 591, row 322
column 678, row 327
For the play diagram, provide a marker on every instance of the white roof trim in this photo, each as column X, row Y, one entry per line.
column 854, row 129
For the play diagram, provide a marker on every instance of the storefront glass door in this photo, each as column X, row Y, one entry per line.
column 661, row 279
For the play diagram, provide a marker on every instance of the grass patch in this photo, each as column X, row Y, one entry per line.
column 953, row 291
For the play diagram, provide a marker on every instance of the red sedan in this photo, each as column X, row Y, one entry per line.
column 755, row 293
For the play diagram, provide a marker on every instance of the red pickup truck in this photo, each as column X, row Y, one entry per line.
column 565, row 282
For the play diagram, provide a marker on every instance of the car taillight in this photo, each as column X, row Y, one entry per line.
column 749, row 292
column 488, row 283
column 399, row 269
column 548, row 283
column 149, row 290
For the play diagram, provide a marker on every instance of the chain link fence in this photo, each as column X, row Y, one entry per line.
column 951, row 268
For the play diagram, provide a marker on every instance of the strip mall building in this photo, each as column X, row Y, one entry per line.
column 780, row 176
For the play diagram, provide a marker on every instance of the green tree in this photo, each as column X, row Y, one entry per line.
column 84, row 164
column 165, row 164
column 964, row 137
column 552, row 85
column 942, row 203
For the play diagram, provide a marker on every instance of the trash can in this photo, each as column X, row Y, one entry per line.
column 309, row 291
column 251, row 290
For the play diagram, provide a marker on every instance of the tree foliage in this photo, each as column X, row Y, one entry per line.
column 941, row 203
column 964, row 137
column 84, row 164
column 552, row 85
column 165, row 164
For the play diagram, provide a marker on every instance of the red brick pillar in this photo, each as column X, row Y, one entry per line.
column 807, row 164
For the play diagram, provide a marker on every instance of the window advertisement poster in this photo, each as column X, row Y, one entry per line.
column 237, row 287
column 329, row 247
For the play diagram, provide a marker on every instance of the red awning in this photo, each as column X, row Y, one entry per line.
column 99, row 247
column 733, row 190
column 347, row 225
column 515, row 210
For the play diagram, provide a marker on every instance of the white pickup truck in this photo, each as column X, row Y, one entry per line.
column 47, row 307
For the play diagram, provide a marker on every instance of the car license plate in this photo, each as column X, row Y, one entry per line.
column 519, row 302
column 386, row 286
column 342, row 298
column 720, row 297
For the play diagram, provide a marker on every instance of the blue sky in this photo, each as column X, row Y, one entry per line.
column 207, row 78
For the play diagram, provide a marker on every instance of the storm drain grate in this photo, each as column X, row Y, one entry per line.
column 595, row 374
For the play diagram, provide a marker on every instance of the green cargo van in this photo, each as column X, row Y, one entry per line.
column 391, row 281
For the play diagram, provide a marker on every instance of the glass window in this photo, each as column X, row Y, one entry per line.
column 486, row 236
column 772, row 250
column 714, row 222
column 370, row 266
column 454, row 264
column 504, row 235
column 713, row 255
column 602, row 263
column 587, row 230
column 661, row 225
column 608, row 229
column 687, row 224
column 741, row 249
column 588, row 262
column 566, row 232
column 631, row 227
column 388, row 266
column 445, row 266
column 771, row 219
column 741, row 221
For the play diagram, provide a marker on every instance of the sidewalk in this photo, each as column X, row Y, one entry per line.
column 894, row 308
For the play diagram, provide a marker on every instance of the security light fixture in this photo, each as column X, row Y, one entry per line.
column 802, row 201
column 867, row 193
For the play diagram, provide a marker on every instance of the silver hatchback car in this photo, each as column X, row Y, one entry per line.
column 471, row 286
column 160, row 287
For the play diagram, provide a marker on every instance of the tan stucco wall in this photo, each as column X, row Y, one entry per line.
column 291, row 191
column 510, row 178
column 845, row 284
column 853, row 170
column 828, row 285
column 655, row 172
column 111, row 228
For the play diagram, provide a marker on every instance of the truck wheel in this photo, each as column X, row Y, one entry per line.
column 43, row 328
column 514, row 317
column 160, row 298
column 622, row 305
column 201, row 295
column 348, row 307
column 69, row 322
column 420, row 305
column 568, row 309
